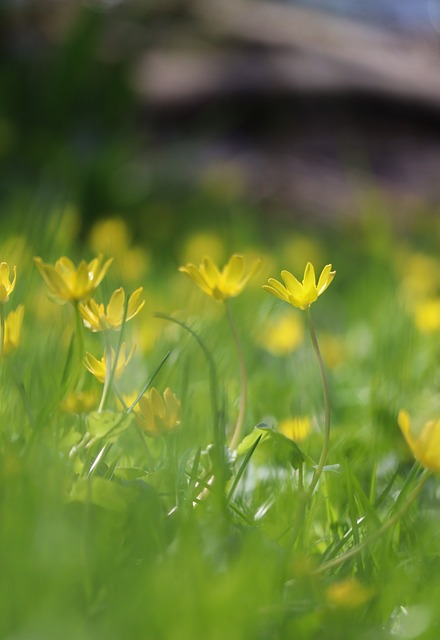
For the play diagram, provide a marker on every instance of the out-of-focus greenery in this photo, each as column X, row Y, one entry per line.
column 105, row 536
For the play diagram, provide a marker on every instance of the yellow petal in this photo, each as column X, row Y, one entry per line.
column 53, row 280
column 233, row 271
column 157, row 403
column 115, row 307
column 210, row 272
column 280, row 290
column 293, row 286
column 309, row 280
column 198, row 278
column 325, row 278
column 134, row 306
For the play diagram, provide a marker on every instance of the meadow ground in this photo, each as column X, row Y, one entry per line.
column 203, row 459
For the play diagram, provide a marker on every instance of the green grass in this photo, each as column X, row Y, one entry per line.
column 117, row 534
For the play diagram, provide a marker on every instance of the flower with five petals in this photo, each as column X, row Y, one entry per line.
column 97, row 318
column 301, row 295
column 224, row 284
column 68, row 283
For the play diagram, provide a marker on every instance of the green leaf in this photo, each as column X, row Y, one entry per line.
column 101, row 493
column 107, row 423
column 249, row 441
column 285, row 449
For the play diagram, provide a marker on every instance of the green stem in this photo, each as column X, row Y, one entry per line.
column 304, row 496
column 325, row 446
column 110, row 370
column 243, row 395
column 354, row 551
column 79, row 333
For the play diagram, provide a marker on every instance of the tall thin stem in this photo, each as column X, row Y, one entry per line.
column 243, row 377
column 79, row 333
column 304, row 494
column 325, row 444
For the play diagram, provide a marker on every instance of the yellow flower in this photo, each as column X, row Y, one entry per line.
column 68, row 283
column 80, row 402
column 348, row 593
column 297, row 428
column 281, row 335
column 426, row 447
column 13, row 323
column 298, row 294
column 99, row 367
column 224, row 284
column 110, row 235
column 427, row 315
column 158, row 415
column 97, row 318
column 6, row 286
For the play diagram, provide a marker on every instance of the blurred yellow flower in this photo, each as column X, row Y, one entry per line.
column 301, row 295
column 348, row 593
column 6, row 285
column 421, row 274
column 158, row 415
column 112, row 236
column 224, row 284
column 80, row 402
column 280, row 336
column 332, row 349
column 13, row 323
column 109, row 236
column 297, row 428
column 426, row 446
column 197, row 245
column 427, row 315
column 97, row 318
column 99, row 367
column 68, row 283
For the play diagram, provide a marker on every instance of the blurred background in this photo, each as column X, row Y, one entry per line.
column 179, row 112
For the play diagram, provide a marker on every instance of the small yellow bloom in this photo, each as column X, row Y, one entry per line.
column 348, row 594
column 68, row 283
column 13, row 323
column 426, row 447
column 99, row 367
column 224, row 284
column 427, row 315
column 6, row 286
column 80, row 402
column 97, row 318
column 158, row 415
column 282, row 335
column 297, row 428
column 298, row 294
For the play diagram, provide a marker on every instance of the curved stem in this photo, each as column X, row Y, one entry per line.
column 305, row 494
column 243, row 376
column 325, row 445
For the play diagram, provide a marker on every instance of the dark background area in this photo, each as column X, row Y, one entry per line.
column 135, row 107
